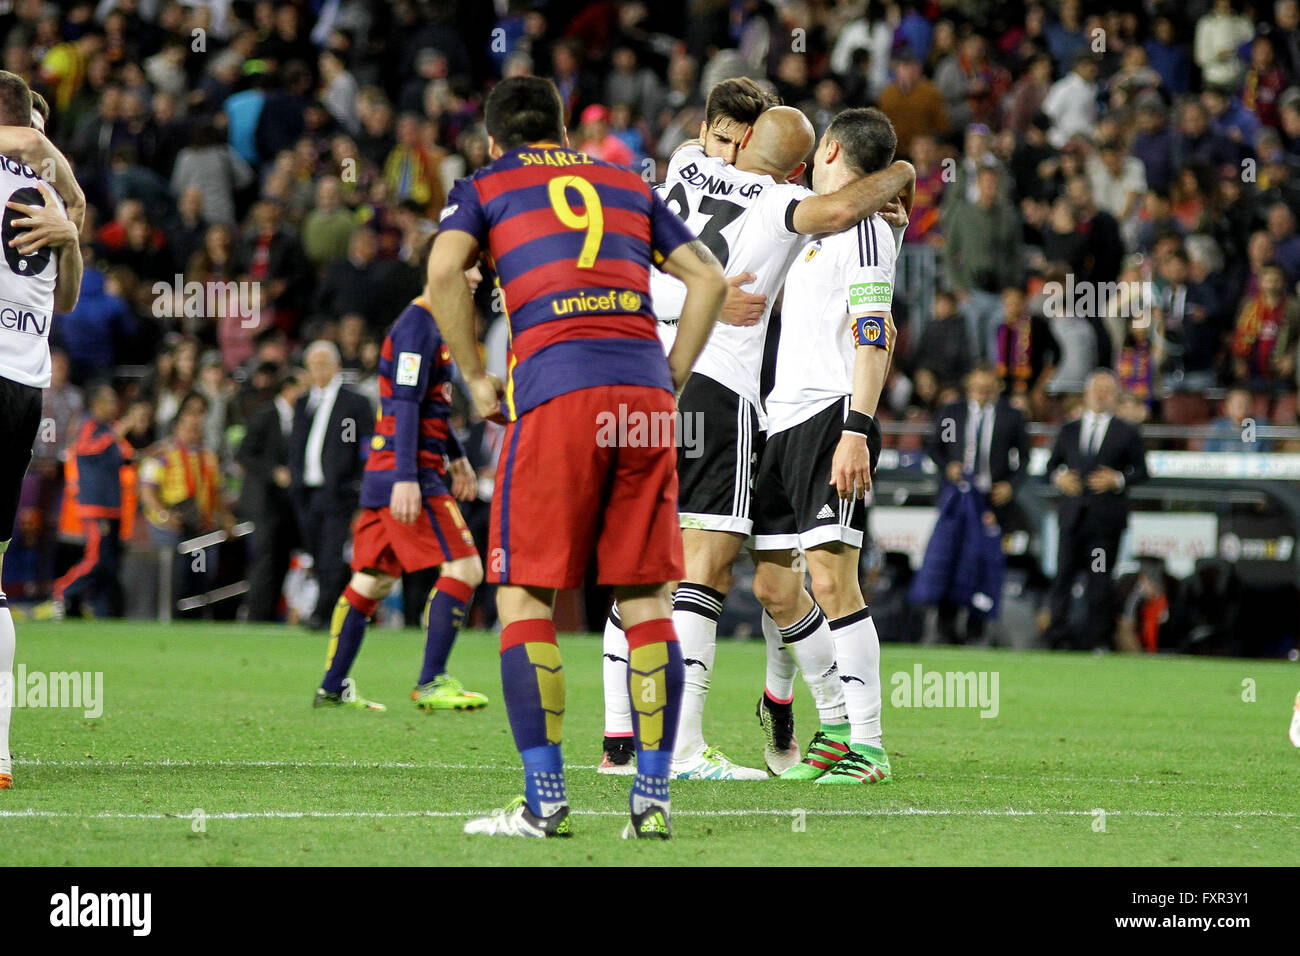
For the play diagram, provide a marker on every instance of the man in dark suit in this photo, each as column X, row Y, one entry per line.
column 331, row 430
column 1094, row 462
column 982, row 440
column 264, row 456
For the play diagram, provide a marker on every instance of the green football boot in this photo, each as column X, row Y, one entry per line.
column 347, row 697
column 862, row 764
column 825, row 751
column 444, row 692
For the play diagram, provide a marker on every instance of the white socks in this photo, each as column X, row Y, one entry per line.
column 781, row 666
column 696, row 609
column 808, row 641
column 857, row 650
column 8, row 641
column 618, row 707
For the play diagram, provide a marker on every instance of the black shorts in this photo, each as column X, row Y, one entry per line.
column 719, row 447
column 795, row 506
column 20, row 420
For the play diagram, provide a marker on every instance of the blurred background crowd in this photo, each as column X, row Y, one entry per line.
column 305, row 149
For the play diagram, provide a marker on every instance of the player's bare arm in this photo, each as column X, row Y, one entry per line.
column 851, row 466
column 30, row 146
column 452, row 305
column 849, row 205
column 706, row 289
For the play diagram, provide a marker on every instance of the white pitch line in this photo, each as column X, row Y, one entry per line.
column 401, row 765
column 290, row 764
column 33, row 813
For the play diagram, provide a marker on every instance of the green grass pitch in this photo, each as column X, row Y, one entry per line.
column 1187, row 767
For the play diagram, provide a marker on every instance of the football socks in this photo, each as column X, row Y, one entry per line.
column 447, row 603
column 618, row 709
column 696, row 609
column 857, row 650
column 8, row 641
column 347, row 631
column 781, row 665
column 809, row 641
column 532, row 681
column 654, row 683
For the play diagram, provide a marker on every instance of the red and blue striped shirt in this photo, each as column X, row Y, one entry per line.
column 572, row 240
column 413, row 437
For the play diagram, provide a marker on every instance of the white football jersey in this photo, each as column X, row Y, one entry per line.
column 746, row 220
column 26, row 286
column 837, row 278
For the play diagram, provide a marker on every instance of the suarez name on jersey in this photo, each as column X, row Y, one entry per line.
column 570, row 239
column 413, row 436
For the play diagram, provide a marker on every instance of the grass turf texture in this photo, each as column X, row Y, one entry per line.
column 1187, row 771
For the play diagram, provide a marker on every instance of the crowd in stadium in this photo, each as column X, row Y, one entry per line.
column 305, row 150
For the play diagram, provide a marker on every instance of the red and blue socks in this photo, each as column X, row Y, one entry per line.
column 532, row 682
column 655, row 679
column 446, row 613
column 347, row 631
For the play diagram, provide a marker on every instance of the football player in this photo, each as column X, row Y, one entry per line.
column 572, row 239
column 836, row 345
column 410, row 519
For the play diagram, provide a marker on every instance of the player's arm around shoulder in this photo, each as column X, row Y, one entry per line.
column 850, row 204
column 706, row 290
column 31, row 147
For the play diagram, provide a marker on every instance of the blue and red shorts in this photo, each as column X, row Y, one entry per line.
column 593, row 470
column 382, row 543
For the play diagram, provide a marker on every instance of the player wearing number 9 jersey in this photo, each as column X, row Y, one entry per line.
column 588, row 461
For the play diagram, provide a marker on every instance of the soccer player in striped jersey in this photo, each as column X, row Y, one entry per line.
column 409, row 519
column 572, row 240
column 837, row 342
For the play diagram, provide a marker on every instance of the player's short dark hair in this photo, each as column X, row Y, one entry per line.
column 740, row 99
column 524, row 109
column 15, row 100
column 40, row 106
column 867, row 137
